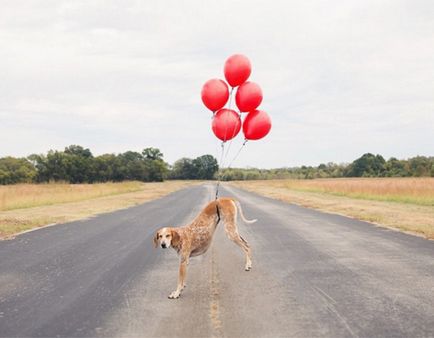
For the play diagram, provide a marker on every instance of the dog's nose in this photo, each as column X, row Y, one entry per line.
column 163, row 245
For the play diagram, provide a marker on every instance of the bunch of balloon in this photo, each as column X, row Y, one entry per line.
column 226, row 122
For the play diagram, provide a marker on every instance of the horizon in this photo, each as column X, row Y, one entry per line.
column 225, row 167
column 339, row 79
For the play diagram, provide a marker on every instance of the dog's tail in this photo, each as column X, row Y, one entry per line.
column 242, row 215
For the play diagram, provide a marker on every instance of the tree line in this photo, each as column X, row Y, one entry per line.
column 368, row 165
column 76, row 164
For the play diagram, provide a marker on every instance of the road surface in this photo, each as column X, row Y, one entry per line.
column 314, row 275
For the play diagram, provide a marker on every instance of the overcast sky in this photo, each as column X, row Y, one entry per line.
column 340, row 78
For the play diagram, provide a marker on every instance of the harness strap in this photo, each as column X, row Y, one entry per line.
column 218, row 213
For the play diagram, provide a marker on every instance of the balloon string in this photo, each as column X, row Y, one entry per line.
column 223, row 151
column 238, row 153
column 230, row 97
column 234, row 158
column 230, row 142
column 220, row 171
column 227, row 111
column 233, row 132
column 224, row 154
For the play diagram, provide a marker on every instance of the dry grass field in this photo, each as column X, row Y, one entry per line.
column 21, row 196
column 406, row 204
column 26, row 206
column 404, row 190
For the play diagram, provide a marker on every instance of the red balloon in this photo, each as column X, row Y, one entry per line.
column 237, row 69
column 226, row 124
column 215, row 94
column 249, row 96
column 256, row 125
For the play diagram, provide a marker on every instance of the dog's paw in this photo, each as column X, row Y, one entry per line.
column 174, row 295
column 248, row 267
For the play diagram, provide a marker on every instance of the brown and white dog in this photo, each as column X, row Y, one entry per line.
column 195, row 239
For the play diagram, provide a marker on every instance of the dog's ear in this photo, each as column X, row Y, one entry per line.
column 156, row 239
column 175, row 238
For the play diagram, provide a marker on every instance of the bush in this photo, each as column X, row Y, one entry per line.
column 16, row 170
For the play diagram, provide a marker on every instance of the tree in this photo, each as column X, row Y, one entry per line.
column 16, row 170
column 78, row 151
column 152, row 154
column 368, row 165
column 205, row 167
column 157, row 168
column 131, row 167
column 395, row 168
column 183, row 169
column 105, row 168
column 201, row 168
column 79, row 164
column 56, row 166
column 420, row 166
column 39, row 161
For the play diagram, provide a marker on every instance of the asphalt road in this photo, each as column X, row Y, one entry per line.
column 314, row 275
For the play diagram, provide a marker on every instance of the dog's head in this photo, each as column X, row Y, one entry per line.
column 166, row 238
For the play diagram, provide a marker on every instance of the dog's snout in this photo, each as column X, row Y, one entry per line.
column 163, row 245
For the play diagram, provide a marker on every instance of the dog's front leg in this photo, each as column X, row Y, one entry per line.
column 181, row 278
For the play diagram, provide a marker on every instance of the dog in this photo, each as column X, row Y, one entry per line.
column 195, row 239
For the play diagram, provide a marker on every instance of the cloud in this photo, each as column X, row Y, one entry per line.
column 340, row 78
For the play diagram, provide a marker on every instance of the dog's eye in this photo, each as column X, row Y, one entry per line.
column 167, row 236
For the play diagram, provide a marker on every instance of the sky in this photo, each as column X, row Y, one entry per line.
column 339, row 78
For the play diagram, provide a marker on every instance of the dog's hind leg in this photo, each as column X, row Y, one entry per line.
column 232, row 233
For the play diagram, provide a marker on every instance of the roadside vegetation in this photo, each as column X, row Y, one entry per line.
column 401, row 203
column 418, row 191
column 20, row 196
column 27, row 206
column 76, row 164
column 71, row 184
column 368, row 165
